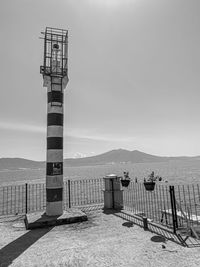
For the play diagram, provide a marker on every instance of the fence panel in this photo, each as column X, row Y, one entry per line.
column 151, row 204
column 19, row 199
column 12, row 199
column 36, row 197
column 188, row 205
column 83, row 192
column 177, row 207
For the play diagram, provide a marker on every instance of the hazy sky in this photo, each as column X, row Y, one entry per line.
column 134, row 70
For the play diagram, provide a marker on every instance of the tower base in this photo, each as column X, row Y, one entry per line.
column 40, row 219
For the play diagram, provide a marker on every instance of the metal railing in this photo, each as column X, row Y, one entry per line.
column 173, row 206
column 25, row 198
column 83, row 192
column 12, row 199
column 188, row 204
column 150, row 204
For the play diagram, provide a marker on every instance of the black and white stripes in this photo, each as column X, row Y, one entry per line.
column 54, row 165
column 55, row 77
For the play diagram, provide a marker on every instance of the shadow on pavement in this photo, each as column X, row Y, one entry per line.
column 14, row 249
column 158, row 238
column 157, row 229
column 128, row 224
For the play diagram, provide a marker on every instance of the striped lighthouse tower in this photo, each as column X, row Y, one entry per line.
column 55, row 79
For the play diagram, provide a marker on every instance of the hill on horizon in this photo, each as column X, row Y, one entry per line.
column 110, row 157
column 120, row 156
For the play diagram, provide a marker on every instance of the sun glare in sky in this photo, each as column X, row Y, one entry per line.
column 109, row 3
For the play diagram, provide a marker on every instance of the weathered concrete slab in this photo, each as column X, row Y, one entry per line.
column 40, row 219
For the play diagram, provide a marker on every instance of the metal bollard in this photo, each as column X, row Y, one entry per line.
column 145, row 223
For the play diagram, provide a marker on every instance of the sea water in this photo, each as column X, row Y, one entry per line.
column 172, row 172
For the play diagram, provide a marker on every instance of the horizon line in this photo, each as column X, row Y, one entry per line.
column 117, row 149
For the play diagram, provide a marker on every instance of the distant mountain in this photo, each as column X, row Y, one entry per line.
column 111, row 157
column 119, row 156
column 20, row 163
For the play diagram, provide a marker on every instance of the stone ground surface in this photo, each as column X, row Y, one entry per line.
column 103, row 240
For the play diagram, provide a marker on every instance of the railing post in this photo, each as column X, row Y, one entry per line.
column 145, row 223
column 113, row 196
column 26, row 187
column 69, row 193
column 173, row 206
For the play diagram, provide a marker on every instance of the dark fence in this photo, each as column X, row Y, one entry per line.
column 12, row 199
column 83, row 192
column 173, row 206
column 177, row 207
column 20, row 199
column 188, row 204
column 150, row 204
